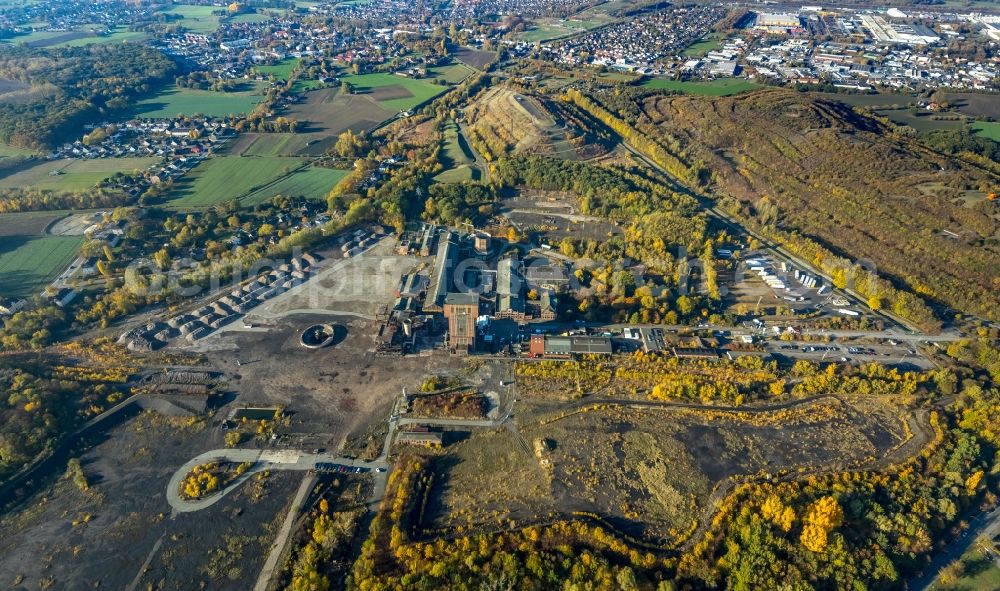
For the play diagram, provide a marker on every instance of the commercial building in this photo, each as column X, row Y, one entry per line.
column 566, row 347
column 777, row 22
column 695, row 353
column 461, row 310
column 427, row 236
column 424, row 438
column 652, row 339
column 884, row 31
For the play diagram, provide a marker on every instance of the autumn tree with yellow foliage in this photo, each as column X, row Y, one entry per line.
column 823, row 516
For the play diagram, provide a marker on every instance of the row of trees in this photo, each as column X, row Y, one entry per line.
column 34, row 199
column 672, row 159
column 574, row 555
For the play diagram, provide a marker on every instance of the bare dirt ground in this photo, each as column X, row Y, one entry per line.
column 395, row 91
column 74, row 225
column 328, row 393
column 326, row 113
column 974, row 104
column 648, row 472
column 63, row 538
column 475, row 58
column 25, row 224
column 356, row 285
column 119, row 534
column 402, row 130
column 332, row 392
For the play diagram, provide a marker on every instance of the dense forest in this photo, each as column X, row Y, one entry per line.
column 82, row 85
column 614, row 193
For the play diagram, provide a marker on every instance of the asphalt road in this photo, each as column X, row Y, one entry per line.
column 281, row 540
column 875, row 334
column 262, row 459
column 985, row 524
column 285, row 459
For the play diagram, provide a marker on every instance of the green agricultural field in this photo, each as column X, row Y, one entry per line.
column 277, row 144
column 452, row 73
column 8, row 151
column 198, row 19
column 252, row 17
column 703, row 46
column 173, row 101
column 119, row 35
column 35, row 38
column 73, row 175
column 312, row 183
column 920, row 120
column 987, row 129
column 281, row 71
column 396, row 93
column 225, row 178
column 555, row 28
column 535, row 34
column 717, row 87
column 83, row 35
column 306, row 85
column 30, row 262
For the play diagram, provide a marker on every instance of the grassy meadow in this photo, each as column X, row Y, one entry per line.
column 173, row 101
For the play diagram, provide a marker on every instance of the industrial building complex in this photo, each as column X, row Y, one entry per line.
column 471, row 280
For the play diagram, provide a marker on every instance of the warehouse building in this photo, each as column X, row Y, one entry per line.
column 566, row 347
column 777, row 22
column 444, row 268
column 424, row 438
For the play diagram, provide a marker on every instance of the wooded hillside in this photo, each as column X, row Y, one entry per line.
column 853, row 184
column 84, row 85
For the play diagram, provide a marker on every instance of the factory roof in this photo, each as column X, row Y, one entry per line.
column 447, row 254
column 456, row 298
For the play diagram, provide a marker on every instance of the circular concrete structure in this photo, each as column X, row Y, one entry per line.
column 317, row 336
